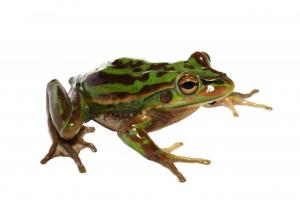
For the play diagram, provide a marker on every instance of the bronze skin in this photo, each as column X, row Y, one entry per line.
column 134, row 97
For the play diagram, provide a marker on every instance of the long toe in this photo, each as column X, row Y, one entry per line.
column 91, row 146
column 180, row 177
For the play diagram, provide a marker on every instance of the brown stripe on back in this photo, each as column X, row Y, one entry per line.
column 160, row 74
column 136, row 64
column 144, row 77
column 120, row 65
column 126, row 97
column 137, row 69
column 101, row 77
column 158, row 66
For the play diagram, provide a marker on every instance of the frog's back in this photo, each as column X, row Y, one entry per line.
column 127, row 80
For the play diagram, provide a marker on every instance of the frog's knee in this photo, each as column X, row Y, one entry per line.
column 58, row 104
column 52, row 83
column 68, row 133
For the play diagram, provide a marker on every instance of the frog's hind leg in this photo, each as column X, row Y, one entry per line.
column 236, row 98
column 65, row 126
column 135, row 136
column 142, row 143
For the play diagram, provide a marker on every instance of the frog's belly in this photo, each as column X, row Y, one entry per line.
column 159, row 119
column 110, row 121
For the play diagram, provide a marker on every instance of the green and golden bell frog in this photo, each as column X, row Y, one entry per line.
column 134, row 97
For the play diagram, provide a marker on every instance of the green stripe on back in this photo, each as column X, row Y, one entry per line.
column 95, row 91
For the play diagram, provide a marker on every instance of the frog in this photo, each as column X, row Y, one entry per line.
column 134, row 97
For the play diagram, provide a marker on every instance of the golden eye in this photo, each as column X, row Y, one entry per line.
column 188, row 84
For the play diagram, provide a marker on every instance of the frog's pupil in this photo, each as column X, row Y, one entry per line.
column 188, row 85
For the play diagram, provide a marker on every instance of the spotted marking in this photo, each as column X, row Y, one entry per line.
column 166, row 97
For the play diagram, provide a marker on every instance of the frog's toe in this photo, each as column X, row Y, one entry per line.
column 255, row 91
column 51, row 154
column 91, row 146
column 205, row 162
column 78, row 143
column 89, row 129
column 81, row 169
column 83, row 144
column 268, row 108
column 46, row 159
column 180, row 177
column 177, row 158
column 234, row 112
column 245, row 95
column 173, row 147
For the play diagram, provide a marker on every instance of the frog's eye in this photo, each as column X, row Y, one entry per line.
column 188, row 84
column 207, row 56
column 202, row 58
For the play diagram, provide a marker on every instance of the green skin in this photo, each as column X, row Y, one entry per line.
column 134, row 97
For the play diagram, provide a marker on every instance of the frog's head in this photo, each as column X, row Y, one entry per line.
column 197, row 83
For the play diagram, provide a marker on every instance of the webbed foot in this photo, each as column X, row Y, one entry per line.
column 69, row 148
column 237, row 98
column 177, row 158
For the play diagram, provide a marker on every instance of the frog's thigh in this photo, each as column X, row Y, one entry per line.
column 61, row 110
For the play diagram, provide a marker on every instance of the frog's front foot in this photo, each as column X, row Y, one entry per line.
column 69, row 148
column 236, row 98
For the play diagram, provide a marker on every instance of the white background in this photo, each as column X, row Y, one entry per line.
column 255, row 156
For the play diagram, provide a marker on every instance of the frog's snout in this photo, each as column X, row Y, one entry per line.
column 228, row 83
column 219, row 87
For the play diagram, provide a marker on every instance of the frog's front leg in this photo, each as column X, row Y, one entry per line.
column 236, row 98
column 135, row 136
column 65, row 121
